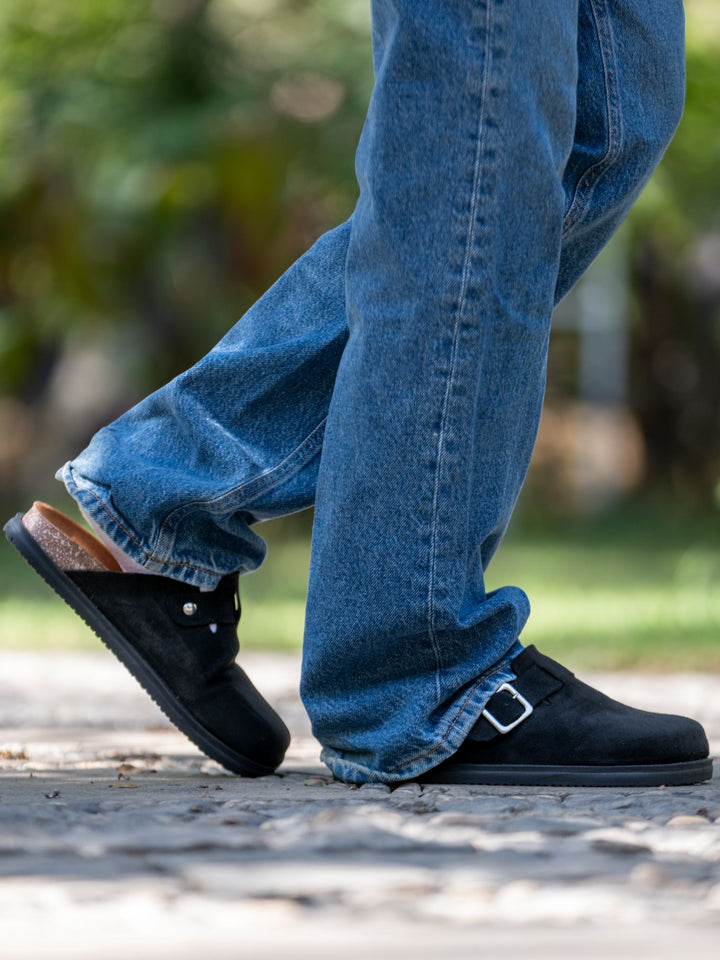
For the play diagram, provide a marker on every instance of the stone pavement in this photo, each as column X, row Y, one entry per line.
column 118, row 840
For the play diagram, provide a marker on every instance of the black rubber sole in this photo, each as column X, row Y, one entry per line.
column 642, row 775
column 173, row 708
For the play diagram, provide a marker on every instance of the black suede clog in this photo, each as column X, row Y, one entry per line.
column 548, row 728
column 179, row 642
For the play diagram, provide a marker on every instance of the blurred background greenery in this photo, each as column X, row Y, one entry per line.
column 162, row 162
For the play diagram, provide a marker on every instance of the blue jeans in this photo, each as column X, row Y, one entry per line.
column 394, row 375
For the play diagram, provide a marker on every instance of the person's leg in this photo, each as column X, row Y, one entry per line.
column 485, row 193
column 452, row 265
column 178, row 481
column 174, row 486
column 631, row 91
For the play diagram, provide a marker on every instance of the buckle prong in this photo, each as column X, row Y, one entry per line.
column 516, row 695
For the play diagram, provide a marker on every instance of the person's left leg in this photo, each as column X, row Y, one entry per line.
column 481, row 203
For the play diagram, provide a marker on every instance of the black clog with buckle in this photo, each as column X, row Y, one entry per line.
column 546, row 727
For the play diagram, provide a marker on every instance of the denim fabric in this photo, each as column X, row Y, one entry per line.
column 501, row 149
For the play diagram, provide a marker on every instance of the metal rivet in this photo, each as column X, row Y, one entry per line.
column 189, row 609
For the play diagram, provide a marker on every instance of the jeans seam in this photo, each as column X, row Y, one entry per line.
column 249, row 491
column 148, row 555
column 461, row 303
column 590, row 177
column 463, row 705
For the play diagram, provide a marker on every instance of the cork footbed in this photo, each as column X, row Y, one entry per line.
column 81, row 537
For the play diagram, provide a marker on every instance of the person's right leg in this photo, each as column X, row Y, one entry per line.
column 631, row 90
column 178, row 480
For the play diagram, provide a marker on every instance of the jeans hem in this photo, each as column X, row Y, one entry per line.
column 459, row 725
column 95, row 501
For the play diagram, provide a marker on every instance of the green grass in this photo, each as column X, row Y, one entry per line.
column 637, row 608
column 639, row 588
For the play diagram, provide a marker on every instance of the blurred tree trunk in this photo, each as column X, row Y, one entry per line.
column 675, row 371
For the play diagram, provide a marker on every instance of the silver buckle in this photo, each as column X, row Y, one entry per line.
column 527, row 709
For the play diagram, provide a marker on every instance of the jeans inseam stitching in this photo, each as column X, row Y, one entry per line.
column 300, row 458
column 273, row 477
column 462, row 300
column 256, row 487
column 593, row 173
column 428, row 753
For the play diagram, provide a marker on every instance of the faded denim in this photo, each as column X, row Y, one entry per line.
column 394, row 375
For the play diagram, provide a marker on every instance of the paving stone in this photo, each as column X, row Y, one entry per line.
column 105, row 808
column 687, row 820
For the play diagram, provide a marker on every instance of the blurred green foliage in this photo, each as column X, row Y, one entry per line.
column 163, row 161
